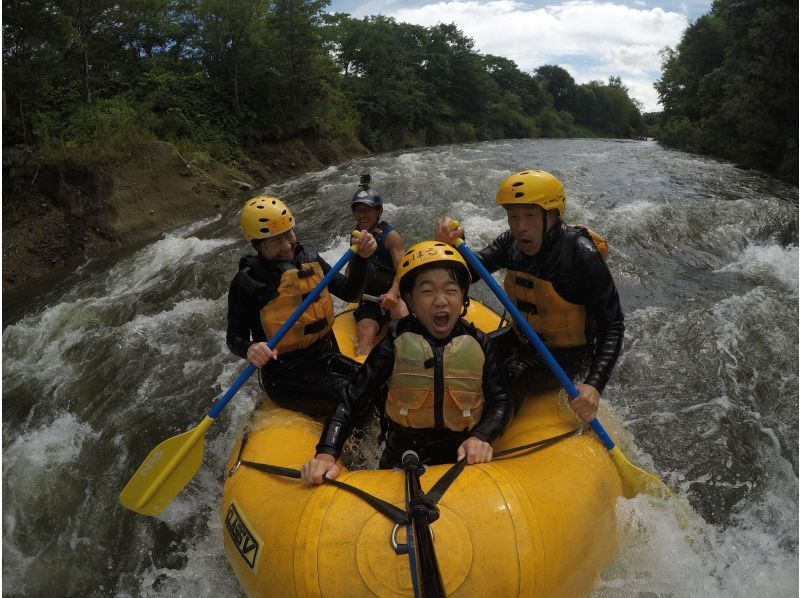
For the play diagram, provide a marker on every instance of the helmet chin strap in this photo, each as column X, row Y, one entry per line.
column 544, row 228
column 545, row 231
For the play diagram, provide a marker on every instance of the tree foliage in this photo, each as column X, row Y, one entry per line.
column 228, row 75
column 729, row 88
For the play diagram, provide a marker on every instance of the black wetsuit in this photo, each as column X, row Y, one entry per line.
column 380, row 277
column 309, row 379
column 432, row 445
column 570, row 261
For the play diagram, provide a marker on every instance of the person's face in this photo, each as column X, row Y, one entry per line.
column 279, row 248
column 437, row 301
column 366, row 217
column 525, row 223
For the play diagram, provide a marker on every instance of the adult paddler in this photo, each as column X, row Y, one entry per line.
column 558, row 278
column 305, row 372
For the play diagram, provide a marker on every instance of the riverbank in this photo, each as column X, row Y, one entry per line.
column 58, row 215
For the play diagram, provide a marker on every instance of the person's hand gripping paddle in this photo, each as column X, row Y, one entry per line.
column 170, row 466
column 634, row 480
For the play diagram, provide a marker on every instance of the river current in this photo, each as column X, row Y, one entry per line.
column 127, row 353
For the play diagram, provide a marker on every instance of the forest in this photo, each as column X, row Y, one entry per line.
column 729, row 88
column 219, row 78
column 222, row 78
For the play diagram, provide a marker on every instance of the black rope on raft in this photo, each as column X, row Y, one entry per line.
column 393, row 513
column 444, row 482
column 434, row 495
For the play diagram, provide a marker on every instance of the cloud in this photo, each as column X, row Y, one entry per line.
column 592, row 40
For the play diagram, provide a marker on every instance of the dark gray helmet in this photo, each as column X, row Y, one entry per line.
column 368, row 197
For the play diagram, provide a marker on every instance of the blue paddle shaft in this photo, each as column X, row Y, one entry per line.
column 276, row 338
column 476, row 263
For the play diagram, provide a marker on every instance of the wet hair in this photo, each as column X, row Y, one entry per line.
column 456, row 272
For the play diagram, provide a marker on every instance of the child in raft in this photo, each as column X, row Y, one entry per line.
column 434, row 375
column 305, row 372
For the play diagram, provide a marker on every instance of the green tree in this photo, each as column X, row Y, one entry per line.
column 35, row 36
column 730, row 86
column 559, row 84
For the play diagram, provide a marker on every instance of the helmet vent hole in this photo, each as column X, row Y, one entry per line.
column 260, row 207
column 263, row 219
column 264, row 229
column 283, row 213
column 526, row 172
column 274, row 202
column 405, row 263
column 519, row 194
column 448, row 252
column 517, row 184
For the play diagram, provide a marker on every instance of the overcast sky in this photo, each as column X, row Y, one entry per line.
column 592, row 40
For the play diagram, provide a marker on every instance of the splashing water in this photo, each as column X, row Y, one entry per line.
column 705, row 258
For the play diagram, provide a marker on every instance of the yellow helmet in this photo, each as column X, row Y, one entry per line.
column 535, row 187
column 431, row 252
column 263, row 217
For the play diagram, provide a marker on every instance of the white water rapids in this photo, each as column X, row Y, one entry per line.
column 123, row 355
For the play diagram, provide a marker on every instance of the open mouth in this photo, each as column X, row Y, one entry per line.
column 441, row 322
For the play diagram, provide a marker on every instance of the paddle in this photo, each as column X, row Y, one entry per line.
column 170, row 466
column 634, row 480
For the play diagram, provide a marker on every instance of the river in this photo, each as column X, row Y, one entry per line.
column 126, row 353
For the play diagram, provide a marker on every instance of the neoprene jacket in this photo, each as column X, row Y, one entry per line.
column 256, row 284
column 381, row 274
column 584, row 280
column 370, row 385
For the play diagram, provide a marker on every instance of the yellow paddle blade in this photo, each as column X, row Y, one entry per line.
column 637, row 481
column 165, row 472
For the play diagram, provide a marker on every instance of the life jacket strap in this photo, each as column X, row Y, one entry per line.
column 316, row 326
column 524, row 282
column 527, row 307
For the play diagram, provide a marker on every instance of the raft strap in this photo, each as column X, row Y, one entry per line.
column 443, row 483
column 421, row 504
column 393, row 513
column 425, row 573
column 538, row 443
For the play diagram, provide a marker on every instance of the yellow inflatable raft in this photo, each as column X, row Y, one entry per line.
column 536, row 523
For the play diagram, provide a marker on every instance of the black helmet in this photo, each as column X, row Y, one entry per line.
column 368, row 197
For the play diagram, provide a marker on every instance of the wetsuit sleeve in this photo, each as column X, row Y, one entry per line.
column 238, row 334
column 494, row 256
column 357, row 397
column 497, row 408
column 348, row 288
column 600, row 297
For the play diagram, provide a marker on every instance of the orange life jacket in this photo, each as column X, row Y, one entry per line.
column 559, row 323
column 315, row 322
column 411, row 401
